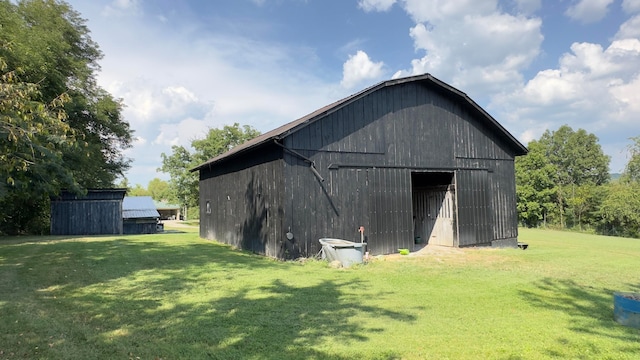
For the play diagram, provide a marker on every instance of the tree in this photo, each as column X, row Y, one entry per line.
column 536, row 179
column 584, row 202
column 138, row 190
column 620, row 211
column 52, row 62
column 184, row 183
column 33, row 136
column 51, row 44
column 219, row 141
column 579, row 160
column 577, row 155
column 159, row 190
column 632, row 169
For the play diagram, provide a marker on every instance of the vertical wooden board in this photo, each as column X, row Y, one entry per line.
column 368, row 125
column 328, row 131
column 379, row 115
column 314, row 139
column 394, row 212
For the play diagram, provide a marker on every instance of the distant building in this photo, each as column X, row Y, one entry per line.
column 168, row 211
column 139, row 215
column 103, row 212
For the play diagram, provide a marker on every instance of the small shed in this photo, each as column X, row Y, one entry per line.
column 412, row 161
column 139, row 215
column 97, row 212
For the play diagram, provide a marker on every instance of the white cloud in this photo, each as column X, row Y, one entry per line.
column 147, row 103
column 376, row 5
column 359, row 68
column 435, row 11
column 178, row 81
column 138, row 140
column 472, row 45
column 593, row 88
column 181, row 133
column 588, row 11
column 631, row 6
column 629, row 29
column 121, row 7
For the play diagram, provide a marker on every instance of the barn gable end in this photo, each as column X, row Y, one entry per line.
column 412, row 160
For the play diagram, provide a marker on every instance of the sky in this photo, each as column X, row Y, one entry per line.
column 183, row 67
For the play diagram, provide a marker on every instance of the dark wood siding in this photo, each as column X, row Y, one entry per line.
column 391, row 211
column 245, row 202
column 139, row 226
column 97, row 212
column 365, row 151
column 475, row 222
column 503, row 201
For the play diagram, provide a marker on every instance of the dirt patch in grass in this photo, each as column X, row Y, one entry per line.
column 453, row 255
column 428, row 251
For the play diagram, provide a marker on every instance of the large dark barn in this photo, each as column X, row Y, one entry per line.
column 412, row 160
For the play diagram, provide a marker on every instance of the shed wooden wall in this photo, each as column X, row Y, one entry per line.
column 96, row 213
column 139, row 226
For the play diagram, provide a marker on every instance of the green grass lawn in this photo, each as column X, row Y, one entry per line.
column 175, row 296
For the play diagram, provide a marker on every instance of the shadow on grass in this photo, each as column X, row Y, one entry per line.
column 590, row 310
column 62, row 294
column 281, row 322
column 71, row 261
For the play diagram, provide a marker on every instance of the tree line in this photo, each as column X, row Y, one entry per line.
column 564, row 182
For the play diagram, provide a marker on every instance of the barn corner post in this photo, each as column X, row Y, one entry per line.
column 413, row 160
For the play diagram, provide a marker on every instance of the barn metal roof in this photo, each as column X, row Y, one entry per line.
column 137, row 207
column 287, row 129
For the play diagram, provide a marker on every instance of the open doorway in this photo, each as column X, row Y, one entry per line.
column 433, row 195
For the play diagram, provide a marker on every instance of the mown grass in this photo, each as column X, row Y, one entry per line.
column 175, row 296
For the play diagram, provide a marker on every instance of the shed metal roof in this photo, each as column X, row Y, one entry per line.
column 137, row 207
column 296, row 125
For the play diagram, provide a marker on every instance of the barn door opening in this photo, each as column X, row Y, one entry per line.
column 433, row 196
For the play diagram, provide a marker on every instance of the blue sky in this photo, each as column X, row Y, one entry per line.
column 182, row 67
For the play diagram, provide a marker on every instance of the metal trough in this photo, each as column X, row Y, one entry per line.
column 347, row 252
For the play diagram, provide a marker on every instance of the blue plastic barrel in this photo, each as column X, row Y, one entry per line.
column 626, row 309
